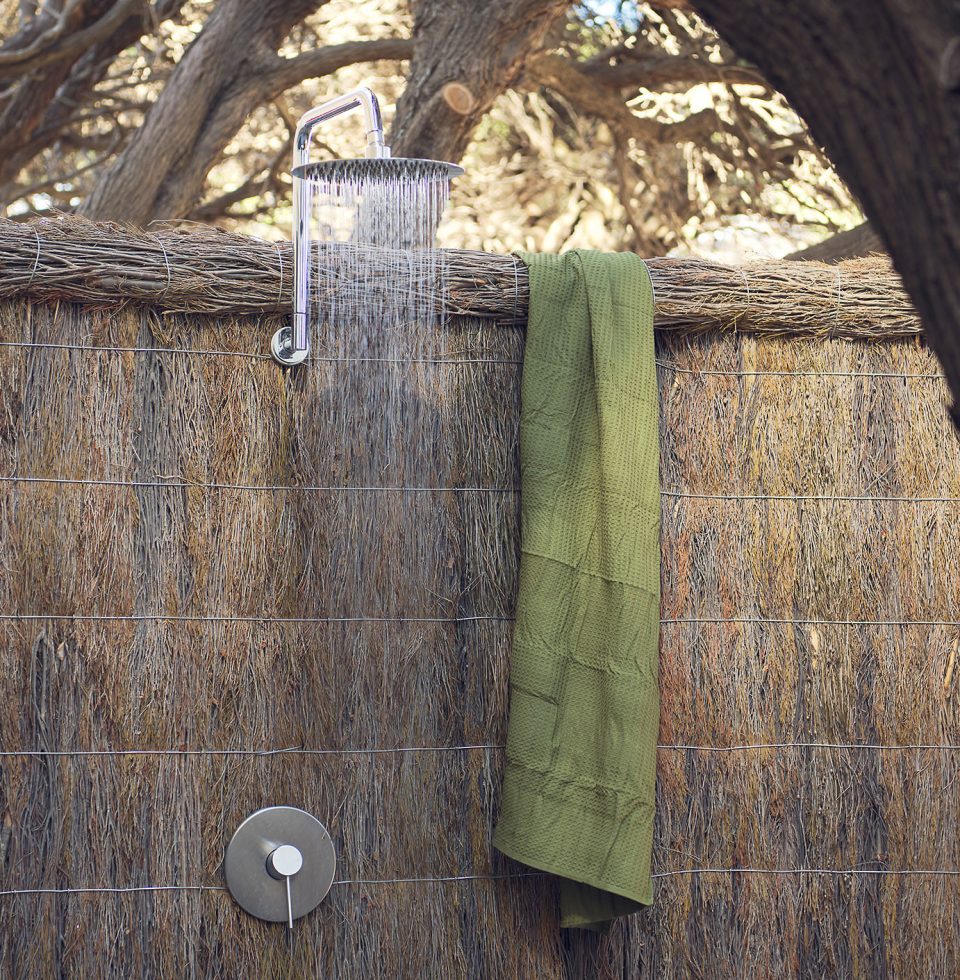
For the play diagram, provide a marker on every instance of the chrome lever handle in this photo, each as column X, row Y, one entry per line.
column 283, row 863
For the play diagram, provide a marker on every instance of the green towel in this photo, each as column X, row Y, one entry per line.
column 578, row 791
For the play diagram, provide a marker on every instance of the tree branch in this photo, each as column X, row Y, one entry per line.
column 659, row 71
column 251, row 187
column 856, row 243
column 279, row 74
column 45, row 185
column 14, row 64
column 38, row 29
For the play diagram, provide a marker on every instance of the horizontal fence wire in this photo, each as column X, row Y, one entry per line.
column 313, row 358
column 318, row 359
column 136, row 350
column 452, row 879
column 894, row 375
column 711, row 372
column 803, row 621
column 477, row 747
column 175, row 483
column 166, row 617
column 808, row 497
column 452, row 620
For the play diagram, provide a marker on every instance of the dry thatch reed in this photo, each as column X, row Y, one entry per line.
column 794, row 614
column 203, row 270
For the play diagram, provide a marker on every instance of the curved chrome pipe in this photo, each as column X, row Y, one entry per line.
column 291, row 345
column 358, row 98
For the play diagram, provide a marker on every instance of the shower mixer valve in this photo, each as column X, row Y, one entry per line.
column 284, row 862
column 280, row 864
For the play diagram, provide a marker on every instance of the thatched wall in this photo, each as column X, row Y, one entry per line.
column 810, row 605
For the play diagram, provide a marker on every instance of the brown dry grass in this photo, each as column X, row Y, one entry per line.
column 182, row 551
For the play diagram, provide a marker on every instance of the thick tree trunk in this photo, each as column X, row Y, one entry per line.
column 465, row 55
column 161, row 172
column 878, row 82
column 857, row 243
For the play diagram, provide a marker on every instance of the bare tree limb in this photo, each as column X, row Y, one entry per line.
column 659, row 71
column 563, row 76
column 46, row 185
column 66, row 47
column 39, row 28
column 251, row 187
column 279, row 74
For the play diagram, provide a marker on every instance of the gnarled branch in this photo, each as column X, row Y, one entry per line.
column 60, row 45
column 279, row 74
column 659, row 71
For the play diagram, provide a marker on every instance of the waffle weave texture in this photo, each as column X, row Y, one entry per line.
column 578, row 791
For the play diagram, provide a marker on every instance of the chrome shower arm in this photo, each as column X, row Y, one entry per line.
column 357, row 99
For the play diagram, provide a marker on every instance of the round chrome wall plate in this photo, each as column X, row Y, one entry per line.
column 248, row 870
column 280, row 349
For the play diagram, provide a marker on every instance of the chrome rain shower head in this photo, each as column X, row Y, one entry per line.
column 290, row 345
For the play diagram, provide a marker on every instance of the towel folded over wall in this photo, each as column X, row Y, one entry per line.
column 578, row 791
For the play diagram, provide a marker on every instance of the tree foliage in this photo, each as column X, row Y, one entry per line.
column 618, row 125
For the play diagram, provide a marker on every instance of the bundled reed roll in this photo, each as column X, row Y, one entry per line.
column 203, row 270
column 810, row 595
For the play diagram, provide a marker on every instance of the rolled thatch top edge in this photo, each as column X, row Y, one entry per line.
column 201, row 269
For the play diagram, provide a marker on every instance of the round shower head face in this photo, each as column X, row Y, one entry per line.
column 376, row 202
column 378, row 169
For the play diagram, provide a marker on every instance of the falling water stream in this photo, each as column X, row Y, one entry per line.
column 373, row 420
column 379, row 315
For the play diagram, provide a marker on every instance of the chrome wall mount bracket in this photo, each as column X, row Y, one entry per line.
column 281, row 346
column 280, row 864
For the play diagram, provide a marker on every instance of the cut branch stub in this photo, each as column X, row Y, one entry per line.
column 459, row 98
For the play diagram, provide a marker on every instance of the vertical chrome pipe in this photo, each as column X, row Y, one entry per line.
column 296, row 347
